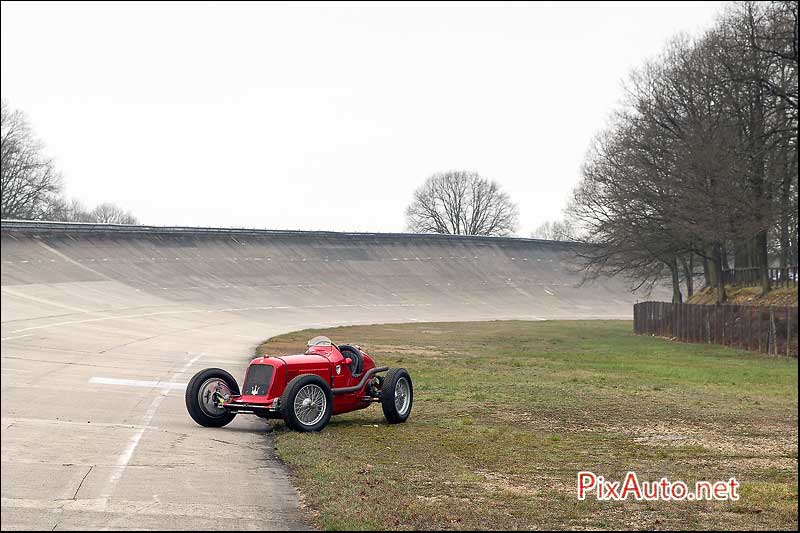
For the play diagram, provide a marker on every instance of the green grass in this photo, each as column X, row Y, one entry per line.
column 506, row 413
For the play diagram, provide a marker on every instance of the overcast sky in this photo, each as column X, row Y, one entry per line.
column 322, row 116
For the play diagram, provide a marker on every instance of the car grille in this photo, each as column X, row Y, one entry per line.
column 256, row 383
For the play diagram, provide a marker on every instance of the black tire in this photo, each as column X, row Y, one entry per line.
column 289, row 411
column 394, row 413
column 195, row 405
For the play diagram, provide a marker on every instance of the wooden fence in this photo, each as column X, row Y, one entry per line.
column 751, row 277
column 770, row 330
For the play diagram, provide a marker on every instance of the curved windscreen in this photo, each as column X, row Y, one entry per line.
column 320, row 341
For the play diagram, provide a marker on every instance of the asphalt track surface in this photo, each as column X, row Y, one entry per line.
column 102, row 326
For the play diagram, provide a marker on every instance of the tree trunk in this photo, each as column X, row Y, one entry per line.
column 720, row 280
column 786, row 200
column 725, row 265
column 688, row 274
column 741, row 256
column 761, row 190
column 676, row 281
column 763, row 262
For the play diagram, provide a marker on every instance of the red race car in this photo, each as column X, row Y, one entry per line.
column 303, row 390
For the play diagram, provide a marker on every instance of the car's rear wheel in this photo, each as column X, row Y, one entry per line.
column 307, row 403
column 203, row 395
column 397, row 395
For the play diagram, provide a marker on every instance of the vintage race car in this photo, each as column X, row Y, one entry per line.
column 303, row 390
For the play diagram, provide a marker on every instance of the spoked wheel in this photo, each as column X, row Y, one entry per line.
column 310, row 404
column 397, row 396
column 307, row 403
column 204, row 394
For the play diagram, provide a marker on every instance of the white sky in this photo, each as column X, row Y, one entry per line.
column 322, row 116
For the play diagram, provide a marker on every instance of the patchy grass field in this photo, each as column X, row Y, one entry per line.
column 506, row 414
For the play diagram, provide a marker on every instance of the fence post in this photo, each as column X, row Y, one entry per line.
column 660, row 319
column 716, row 325
column 729, row 322
column 653, row 313
column 642, row 310
column 740, row 315
column 674, row 320
column 724, row 325
column 773, row 330
column 698, row 324
column 683, row 322
column 717, row 332
column 645, row 307
column 642, row 317
column 744, row 332
column 788, row 332
column 667, row 319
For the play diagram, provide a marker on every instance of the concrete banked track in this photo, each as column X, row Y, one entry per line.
column 102, row 324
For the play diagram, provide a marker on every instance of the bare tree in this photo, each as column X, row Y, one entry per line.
column 557, row 230
column 772, row 32
column 756, row 56
column 461, row 202
column 30, row 183
column 621, row 208
column 702, row 159
column 106, row 213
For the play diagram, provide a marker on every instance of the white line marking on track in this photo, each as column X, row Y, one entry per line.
column 45, row 422
column 127, row 454
column 70, row 260
column 17, row 337
column 32, row 298
column 139, row 383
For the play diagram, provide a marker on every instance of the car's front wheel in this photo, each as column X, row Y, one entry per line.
column 397, row 395
column 307, row 403
column 204, row 393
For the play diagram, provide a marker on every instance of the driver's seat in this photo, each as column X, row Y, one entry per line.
column 357, row 366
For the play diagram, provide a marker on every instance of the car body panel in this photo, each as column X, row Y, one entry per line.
column 327, row 362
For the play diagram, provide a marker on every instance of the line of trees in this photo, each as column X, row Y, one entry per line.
column 32, row 188
column 555, row 230
column 697, row 172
